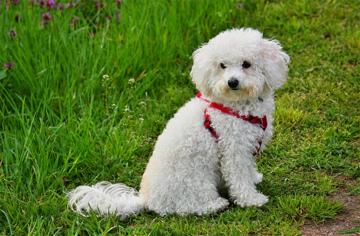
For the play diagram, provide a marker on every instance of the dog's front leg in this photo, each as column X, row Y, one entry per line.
column 239, row 172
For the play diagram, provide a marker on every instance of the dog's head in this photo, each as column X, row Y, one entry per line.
column 238, row 64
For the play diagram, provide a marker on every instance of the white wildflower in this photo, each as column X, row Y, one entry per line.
column 131, row 81
column 126, row 109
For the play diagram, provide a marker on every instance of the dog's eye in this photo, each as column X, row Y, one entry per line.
column 222, row 65
column 246, row 64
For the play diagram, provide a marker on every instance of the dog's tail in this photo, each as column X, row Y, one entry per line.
column 106, row 198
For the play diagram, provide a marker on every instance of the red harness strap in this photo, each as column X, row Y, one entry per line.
column 261, row 122
column 207, row 124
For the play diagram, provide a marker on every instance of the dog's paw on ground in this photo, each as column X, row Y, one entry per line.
column 256, row 199
column 346, row 223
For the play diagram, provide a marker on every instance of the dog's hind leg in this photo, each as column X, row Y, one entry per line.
column 186, row 186
column 200, row 195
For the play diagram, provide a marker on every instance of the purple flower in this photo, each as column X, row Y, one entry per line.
column 8, row 65
column 46, row 18
column 12, row 34
column 42, row 3
column 99, row 5
column 50, row 3
column 16, row 2
column 118, row 3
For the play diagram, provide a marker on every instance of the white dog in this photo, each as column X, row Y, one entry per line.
column 211, row 141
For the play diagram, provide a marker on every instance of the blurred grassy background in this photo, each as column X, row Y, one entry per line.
column 86, row 88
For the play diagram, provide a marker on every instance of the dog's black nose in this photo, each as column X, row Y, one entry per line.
column 233, row 83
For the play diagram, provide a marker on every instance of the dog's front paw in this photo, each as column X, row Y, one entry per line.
column 255, row 199
column 258, row 177
column 218, row 205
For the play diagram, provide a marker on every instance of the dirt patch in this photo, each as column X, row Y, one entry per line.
column 347, row 219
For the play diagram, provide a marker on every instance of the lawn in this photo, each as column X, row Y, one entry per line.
column 85, row 91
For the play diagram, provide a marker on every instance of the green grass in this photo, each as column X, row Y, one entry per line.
column 86, row 104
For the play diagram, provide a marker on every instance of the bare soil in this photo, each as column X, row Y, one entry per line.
column 346, row 220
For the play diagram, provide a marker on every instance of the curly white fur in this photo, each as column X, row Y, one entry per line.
column 188, row 167
column 106, row 198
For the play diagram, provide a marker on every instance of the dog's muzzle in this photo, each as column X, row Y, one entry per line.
column 233, row 83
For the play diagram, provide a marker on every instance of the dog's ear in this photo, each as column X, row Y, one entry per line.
column 200, row 69
column 275, row 63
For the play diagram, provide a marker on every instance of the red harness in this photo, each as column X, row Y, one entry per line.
column 261, row 122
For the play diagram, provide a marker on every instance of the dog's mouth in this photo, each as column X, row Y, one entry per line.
column 234, row 94
column 241, row 91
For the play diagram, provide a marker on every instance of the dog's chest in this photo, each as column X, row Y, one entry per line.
column 235, row 132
